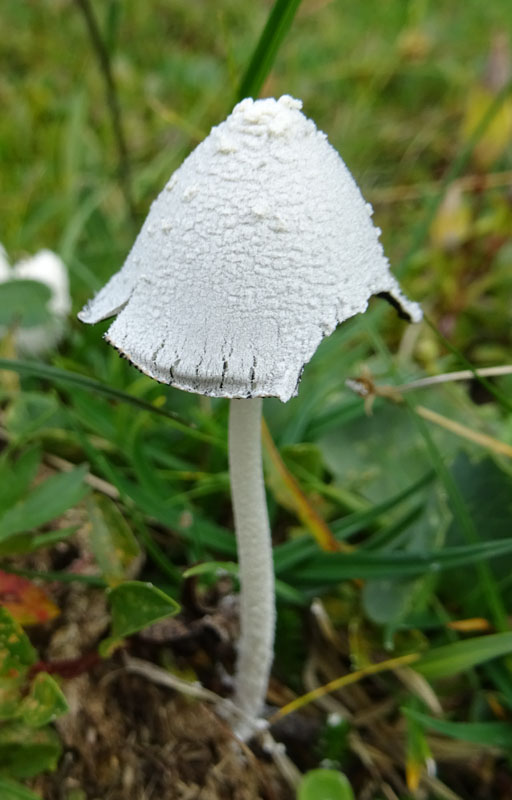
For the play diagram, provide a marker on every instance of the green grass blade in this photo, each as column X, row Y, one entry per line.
column 295, row 551
column 490, row 734
column 263, row 57
column 326, row 569
column 12, row 790
column 56, row 375
column 460, row 656
column 46, row 502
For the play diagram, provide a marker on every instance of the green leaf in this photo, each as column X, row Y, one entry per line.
column 490, row 734
column 24, row 303
column 135, row 605
column 486, row 491
column 192, row 526
column 276, row 28
column 12, row 790
column 386, row 601
column 44, row 703
column 295, row 551
column 45, row 502
column 25, row 752
column 16, row 656
column 29, row 413
column 113, row 544
column 66, row 377
column 460, row 656
column 16, row 475
column 324, row 784
column 28, row 543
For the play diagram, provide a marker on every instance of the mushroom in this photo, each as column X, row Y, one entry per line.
column 5, row 269
column 259, row 246
column 48, row 269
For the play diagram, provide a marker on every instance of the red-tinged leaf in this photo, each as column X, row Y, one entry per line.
column 26, row 602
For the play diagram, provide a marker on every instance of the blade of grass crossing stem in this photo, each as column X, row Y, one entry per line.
column 263, row 57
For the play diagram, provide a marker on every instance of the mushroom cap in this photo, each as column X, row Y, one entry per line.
column 259, row 246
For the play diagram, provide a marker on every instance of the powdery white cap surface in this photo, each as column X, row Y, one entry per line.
column 258, row 247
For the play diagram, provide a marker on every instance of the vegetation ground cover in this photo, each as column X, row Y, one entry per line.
column 108, row 478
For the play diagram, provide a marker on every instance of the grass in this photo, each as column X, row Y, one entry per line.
column 427, row 512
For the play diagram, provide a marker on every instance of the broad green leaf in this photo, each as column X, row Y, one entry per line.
column 16, row 656
column 487, row 494
column 24, row 303
column 489, row 734
column 324, row 784
column 25, row 751
column 460, row 656
column 386, row 601
column 45, row 502
column 113, row 544
column 44, row 703
column 12, row 790
column 135, row 605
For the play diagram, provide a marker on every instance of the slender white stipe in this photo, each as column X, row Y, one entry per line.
column 257, row 607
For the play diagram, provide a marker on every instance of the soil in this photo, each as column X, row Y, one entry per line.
column 126, row 738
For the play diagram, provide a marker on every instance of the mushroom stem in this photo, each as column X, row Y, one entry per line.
column 256, row 570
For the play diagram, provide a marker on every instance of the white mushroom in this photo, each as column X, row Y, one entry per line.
column 5, row 270
column 257, row 248
column 46, row 268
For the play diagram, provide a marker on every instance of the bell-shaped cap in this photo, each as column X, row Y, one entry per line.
column 258, row 247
